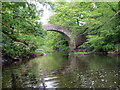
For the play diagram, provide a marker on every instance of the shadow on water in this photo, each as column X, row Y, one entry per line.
column 64, row 71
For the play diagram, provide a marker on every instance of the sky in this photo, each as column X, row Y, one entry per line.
column 46, row 13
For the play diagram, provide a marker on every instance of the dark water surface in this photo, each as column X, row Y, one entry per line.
column 64, row 71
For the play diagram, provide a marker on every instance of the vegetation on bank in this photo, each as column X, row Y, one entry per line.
column 81, row 52
column 22, row 32
column 100, row 22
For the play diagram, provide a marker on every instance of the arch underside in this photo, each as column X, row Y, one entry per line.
column 65, row 35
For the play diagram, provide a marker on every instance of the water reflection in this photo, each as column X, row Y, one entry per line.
column 62, row 71
column 77, row 64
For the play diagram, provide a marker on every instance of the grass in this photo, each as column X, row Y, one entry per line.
column 81, row 52
column 38, row 51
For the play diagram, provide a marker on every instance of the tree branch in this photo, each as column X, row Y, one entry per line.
column 106, row 21
column 112, row 8
column 15, row 39
column 7, row 26
column 18, row 17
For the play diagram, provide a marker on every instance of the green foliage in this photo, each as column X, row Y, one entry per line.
column 55, row 41
column 106, row 36
column 70, row 14
column 99, row 21
column 22, row 33
column 81, row 52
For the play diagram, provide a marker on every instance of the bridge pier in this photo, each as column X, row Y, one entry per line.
column 72, row 45
column 76, row 40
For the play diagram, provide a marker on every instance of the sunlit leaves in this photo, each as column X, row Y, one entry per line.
column 98, row 20
column 55, row 40
column 22, row 18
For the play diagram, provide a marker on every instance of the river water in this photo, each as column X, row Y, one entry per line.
column 63, row 71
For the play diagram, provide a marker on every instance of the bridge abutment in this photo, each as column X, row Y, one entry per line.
column 72, row 46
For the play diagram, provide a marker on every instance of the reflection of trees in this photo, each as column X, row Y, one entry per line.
column 76, row 63
column 75, row 74
column 71, row 78
column 13, row 81
column 100, row 61
column 23, row 80
column 81, row 76
column 19, row 76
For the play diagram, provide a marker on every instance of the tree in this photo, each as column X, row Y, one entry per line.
column 21, row 32
column 98, row 21
column 105, row 36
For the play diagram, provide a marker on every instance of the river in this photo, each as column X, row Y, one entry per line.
column 63, row 71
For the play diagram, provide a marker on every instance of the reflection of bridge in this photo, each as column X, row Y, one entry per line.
column 73, row 41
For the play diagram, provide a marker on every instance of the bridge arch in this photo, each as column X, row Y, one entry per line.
column 60, row 29
column 66, row 36
column 73, row 41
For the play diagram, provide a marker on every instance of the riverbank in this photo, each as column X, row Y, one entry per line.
column 117, row 52
column 6, row 60
column 82, row 53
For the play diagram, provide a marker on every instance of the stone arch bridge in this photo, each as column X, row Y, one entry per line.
column 74, row 41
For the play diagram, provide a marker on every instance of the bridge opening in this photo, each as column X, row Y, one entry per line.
column 56, row 41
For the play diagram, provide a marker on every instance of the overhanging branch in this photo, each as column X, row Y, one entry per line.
column 15, row 39
column 7, row 26
column 112, row 8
